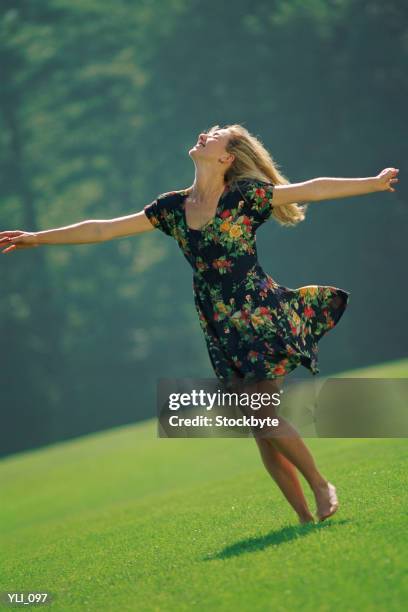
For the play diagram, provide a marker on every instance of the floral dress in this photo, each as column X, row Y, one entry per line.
column 254, row 328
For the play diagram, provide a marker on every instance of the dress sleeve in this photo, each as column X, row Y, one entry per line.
column 161, row 213
column 259, row 196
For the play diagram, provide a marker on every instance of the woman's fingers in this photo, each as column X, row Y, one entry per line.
column 5, row 239
column 10, row 248
column 10, row 234
column 394, row 180
column 387, row 178
column 14, row 243
column 25, row 241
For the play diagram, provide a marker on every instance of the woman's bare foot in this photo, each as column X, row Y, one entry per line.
column 326, row 501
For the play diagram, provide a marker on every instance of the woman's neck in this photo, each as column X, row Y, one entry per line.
column 207, row 188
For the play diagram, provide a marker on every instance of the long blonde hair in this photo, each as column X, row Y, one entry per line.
column 253, row 161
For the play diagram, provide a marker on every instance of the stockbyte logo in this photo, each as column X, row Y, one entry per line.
column 333, row 407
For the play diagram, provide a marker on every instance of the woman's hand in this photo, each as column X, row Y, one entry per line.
column 17, row 240
column 386, row 178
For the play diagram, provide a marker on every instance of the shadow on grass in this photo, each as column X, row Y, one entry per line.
column 274, row 538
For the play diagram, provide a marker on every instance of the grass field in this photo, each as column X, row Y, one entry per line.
column 122, row 520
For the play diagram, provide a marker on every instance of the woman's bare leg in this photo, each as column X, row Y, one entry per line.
column 286, row 439
column 285, row 476
column 297, row 452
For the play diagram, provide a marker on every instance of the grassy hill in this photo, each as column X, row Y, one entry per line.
column 122, row 520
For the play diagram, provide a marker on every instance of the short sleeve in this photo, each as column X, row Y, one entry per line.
column 259, row 198
column 162, row 213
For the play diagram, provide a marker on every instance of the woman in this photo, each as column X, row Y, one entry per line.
column 256, row 330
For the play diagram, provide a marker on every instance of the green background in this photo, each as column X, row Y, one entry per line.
column 100, row 102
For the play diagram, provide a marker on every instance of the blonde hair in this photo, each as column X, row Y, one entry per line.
column 253, row 161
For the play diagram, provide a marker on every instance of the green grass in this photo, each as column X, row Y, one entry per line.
column 122, row 520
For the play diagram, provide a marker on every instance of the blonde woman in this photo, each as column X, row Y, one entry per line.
column 256, row 330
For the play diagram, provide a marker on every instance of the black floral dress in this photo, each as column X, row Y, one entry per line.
column 254, row 328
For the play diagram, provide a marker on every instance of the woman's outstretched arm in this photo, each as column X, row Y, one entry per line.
column 324, row 188
column 84, row 232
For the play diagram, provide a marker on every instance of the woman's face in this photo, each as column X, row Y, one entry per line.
column 211, row 146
